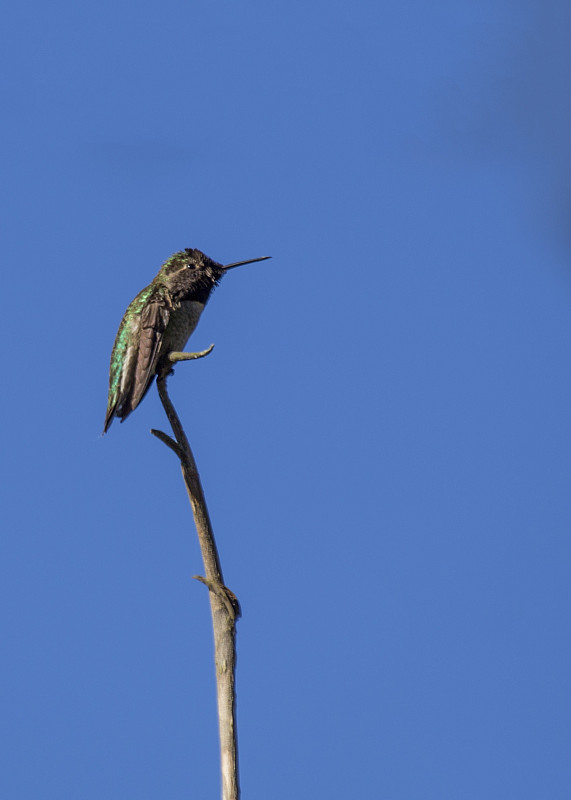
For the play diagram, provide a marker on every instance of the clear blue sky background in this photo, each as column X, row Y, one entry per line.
column 383, row 429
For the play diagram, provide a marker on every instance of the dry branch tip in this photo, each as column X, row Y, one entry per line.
column 175, row 356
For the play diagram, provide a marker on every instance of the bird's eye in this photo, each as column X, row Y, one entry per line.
column 191, row 265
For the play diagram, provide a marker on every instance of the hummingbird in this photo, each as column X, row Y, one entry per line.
column 160, row 320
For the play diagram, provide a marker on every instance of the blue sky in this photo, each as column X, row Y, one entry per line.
column 382, row 429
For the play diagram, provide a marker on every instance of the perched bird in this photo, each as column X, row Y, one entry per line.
column 159, row 320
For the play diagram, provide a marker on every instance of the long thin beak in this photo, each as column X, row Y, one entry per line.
column 239, row 263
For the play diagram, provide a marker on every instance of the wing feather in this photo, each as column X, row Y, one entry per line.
column 154, row 320
column 136, row 351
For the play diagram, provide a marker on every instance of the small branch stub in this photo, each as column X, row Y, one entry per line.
column 170, row 442
column 228, row 597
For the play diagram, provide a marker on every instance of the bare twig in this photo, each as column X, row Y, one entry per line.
column 174, row 356
column 223, row 603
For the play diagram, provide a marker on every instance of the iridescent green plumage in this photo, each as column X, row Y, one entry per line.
column 124, row 339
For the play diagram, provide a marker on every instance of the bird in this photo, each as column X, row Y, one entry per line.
column 158, row 321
